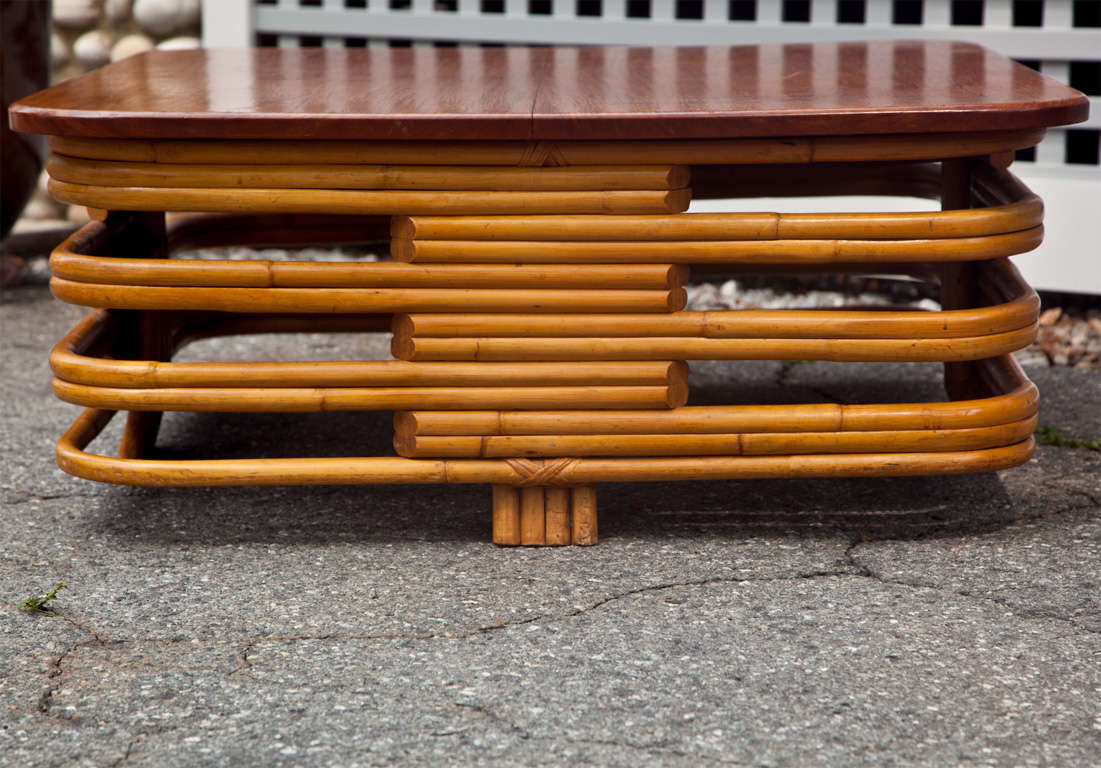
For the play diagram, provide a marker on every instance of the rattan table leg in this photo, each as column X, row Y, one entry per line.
column 551, row 516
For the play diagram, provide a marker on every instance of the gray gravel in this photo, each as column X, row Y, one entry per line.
column 919, row 621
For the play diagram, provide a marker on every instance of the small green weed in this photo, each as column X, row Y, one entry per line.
column 1053, row 436
column 38, row 602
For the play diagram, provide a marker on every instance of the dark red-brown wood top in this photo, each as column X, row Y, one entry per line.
column 553, row 93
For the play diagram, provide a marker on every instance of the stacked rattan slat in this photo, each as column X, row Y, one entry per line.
column 537, row 312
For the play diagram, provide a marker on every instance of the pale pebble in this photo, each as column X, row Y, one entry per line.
column 75, row 14
column 130, row 45
column 59, row 50
column 93, row 49
column 117, row 10
column 77, row 214
column 179, row 44
column 163, row 17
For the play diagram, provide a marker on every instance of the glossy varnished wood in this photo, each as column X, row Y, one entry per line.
column 553, row 93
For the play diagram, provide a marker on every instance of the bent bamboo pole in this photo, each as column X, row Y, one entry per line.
column 317, row 399
column 719, row 419
column 978, row 222
column 901, row 350
column 75, row 170
column 812, row 251
column 1011, row 207
column 741, row 444
column 359, row 201
column 745, row 419
column 1021, row 308
column 1012, row 398
column 72, row 458
column 798, row 149
column 70, row 361
column 734, row 324
column 259, row 273
column 365, row 300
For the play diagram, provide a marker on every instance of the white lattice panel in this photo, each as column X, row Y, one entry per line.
column 1059, row 37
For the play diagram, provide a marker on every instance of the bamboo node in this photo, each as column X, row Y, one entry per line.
column 539, row 472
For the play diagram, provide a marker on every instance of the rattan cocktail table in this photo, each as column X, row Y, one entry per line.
column 535, row 204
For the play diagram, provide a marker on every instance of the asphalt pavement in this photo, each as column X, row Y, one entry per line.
column 935, row 621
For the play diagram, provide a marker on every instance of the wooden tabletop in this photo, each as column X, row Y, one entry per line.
column 553, row 93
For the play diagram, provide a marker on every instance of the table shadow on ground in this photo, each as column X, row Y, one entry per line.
column 853, row 508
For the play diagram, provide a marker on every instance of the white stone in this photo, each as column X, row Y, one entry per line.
column 43, row 187
column 163, row 17
column 59, row 50
column 78, row 214
column 93, row 49
column 40, row 210
column 129, row 45
column 75, row 14
column 117, row 10
column 179, row 44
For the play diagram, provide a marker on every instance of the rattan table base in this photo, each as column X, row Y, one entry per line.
column 535, row 207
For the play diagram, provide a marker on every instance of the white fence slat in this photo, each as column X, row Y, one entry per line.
column 936, row 13
column 614, row 9
column 769, row 12
column 714, row 11
column 823, row 12
column 878, row 14
column 227, row 23
column 1058, row 14
column 997, row 14
column 1052, row 150
column 661, row 10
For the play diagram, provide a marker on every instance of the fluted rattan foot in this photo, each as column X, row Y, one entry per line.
column 544, row 516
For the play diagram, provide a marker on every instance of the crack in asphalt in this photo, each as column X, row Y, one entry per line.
column 243, row 662
column 56, row 667
column 866, row 571
column 33, row 497
column 492, row 716
column 126, row 755
column 1052, row 482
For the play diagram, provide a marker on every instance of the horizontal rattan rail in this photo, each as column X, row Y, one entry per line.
column 364, row 300
column 713, row 444
column 1009, row 206
column 77, row 260
column 1011, row 304
column 800, row 149
column 360, row 201
column 78, row 359
column 73, row 459
column 911, row 350
column 821, row 251
column 318, row 399
column 75, row 170
column 1011, row 397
